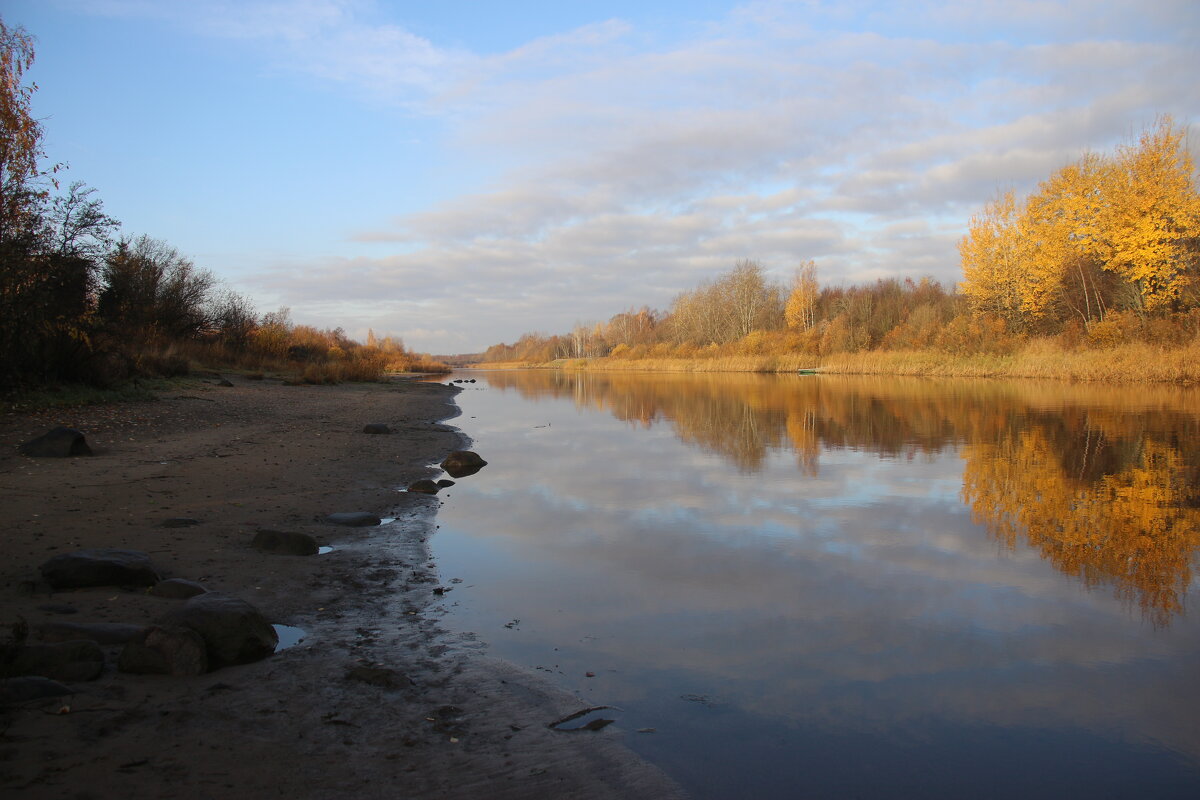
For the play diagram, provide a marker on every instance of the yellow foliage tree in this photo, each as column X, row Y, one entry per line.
column 1151, row 218
column 1135, row 215
column 800, row 312
column 996, row 264
column 1062, row 223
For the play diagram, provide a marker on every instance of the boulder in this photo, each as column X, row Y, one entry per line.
column 98, row 632
column 177, row 589
column 58, row 442
column 354, row 519
column 100, row 567
column 424, row 487
column 376, row 427
column 165, row 650
column 79, row 660
column 285, row 543
column 234, row 631
column 444, row 483
column 462, row 463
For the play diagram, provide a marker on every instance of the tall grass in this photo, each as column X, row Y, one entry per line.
column 329, row 366
column 1040, row 358
column 1135, row 362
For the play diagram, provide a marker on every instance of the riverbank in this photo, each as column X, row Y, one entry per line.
column 1128, row 363
column 434, row 717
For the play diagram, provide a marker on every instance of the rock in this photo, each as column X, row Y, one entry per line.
column 462, row 463
column 180, row 522
column 98, row 632
column 165, row 650
column 30, row 687
column 177, row 589
column 354, row 519
column 57, row 443
column 234, row 631
column 443, row 483
column 379, row 676
column 376, row 427
column 225, row 382
column 285, row 543
column 424, row 487
column 79, row 660
column 100, row 567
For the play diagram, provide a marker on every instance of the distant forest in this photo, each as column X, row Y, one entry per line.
column 1106, row 252
column 78, row 303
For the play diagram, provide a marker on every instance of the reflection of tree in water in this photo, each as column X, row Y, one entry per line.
column 1113, row 499
column 1104, row 491
column 744, row 417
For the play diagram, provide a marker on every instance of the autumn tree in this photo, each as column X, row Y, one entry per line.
column 1061, row 229
column 46, row 257
column 1102, row 233
column 801, row 309
column 1151, row 220
column 20, row 135
column 995, row 265
column 632, row 328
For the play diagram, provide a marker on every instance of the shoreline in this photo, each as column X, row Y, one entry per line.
column 1134, row 363
column 446, row 721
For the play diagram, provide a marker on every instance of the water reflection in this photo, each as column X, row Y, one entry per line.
column 851, row 573
column 1102, row 483
column 1113, row 505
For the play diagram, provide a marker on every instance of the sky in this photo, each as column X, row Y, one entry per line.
column 457, row 173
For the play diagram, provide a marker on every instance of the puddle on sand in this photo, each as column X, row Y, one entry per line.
column 289, row 636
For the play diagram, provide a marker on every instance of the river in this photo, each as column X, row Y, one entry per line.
column 823, row 586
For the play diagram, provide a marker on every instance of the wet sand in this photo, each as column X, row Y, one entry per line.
column 449, row 721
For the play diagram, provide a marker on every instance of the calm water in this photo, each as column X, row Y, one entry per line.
column 833, row 587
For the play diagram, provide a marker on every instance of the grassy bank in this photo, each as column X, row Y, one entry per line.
column 1040, row 358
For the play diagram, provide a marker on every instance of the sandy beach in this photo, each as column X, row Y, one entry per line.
column 431, row 716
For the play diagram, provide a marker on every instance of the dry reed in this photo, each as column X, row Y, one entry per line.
column 1039, row 358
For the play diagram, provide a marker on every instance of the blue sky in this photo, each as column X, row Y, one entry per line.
column 459, row 173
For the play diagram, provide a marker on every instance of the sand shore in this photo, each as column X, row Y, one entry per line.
column 257, row 455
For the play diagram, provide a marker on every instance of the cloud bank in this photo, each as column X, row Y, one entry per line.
column 619, row 162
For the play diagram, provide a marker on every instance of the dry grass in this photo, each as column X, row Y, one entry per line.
column 1039, row 358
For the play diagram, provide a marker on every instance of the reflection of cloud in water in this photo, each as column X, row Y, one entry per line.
column 864, row 596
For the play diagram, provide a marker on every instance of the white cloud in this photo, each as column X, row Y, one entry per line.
column 784, row 131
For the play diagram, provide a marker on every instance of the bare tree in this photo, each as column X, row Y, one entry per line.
column 77, row 224
column 150, row 291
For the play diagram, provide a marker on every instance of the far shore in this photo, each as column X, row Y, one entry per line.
column 1128, row 363
column 445, row 720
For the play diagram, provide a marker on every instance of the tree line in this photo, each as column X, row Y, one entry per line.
column 80, row 303
column 1106, row 251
